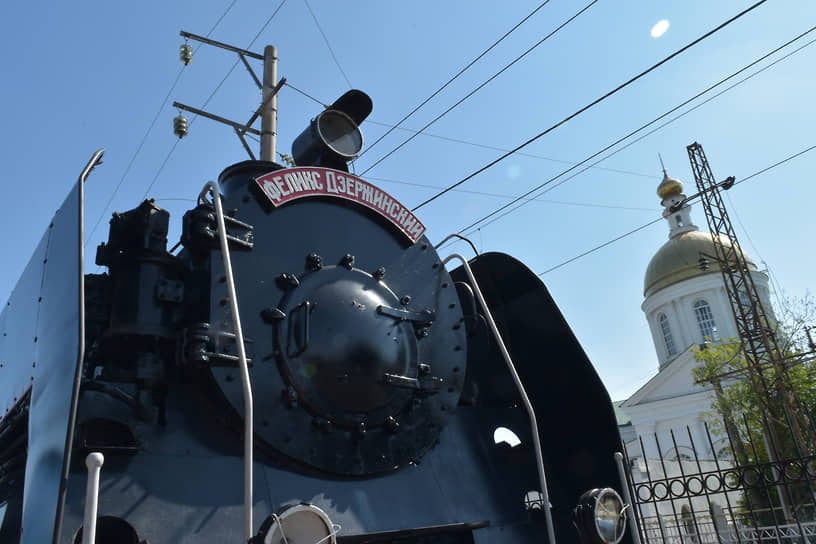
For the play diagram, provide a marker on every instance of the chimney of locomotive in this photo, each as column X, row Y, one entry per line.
column 333, row 137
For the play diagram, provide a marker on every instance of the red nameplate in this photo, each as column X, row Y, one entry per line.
column 281, row 186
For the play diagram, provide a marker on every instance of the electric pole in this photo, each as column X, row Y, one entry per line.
column 765, row 362
column 267, row 111
column 269, row 115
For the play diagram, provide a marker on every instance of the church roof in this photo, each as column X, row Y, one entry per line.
column 620, row 415
column 678, row 260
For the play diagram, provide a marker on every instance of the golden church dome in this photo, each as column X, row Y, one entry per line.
column 678, row 260
column 669, row 186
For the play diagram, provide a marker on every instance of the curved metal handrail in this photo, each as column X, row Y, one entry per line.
column 491, row 323
column 212, row 188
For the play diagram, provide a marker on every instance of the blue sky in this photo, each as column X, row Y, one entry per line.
column 92, row 74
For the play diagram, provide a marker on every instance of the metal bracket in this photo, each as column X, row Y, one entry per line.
column 417, row 318
column 244, row 236
column 201, row 232
column 202, row 345
column 426, row 384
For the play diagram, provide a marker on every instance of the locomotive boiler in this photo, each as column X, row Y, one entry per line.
column 305, row 368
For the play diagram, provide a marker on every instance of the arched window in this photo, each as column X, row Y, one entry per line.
column 705, row 319
column 667, row 335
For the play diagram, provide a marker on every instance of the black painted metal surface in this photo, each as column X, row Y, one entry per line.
column 185, row 484
column 359, row 358
column 575, row 416
column 39, row 343
column 371, row 400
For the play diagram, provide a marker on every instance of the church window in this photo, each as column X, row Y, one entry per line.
column 667, row 335
column 679, row 221
column 705, row 319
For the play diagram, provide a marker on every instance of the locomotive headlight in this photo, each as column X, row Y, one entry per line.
column 339, row 133
column 600, row 517
column 333, row 137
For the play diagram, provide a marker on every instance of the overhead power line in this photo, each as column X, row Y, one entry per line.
column 150, row 129
column 495, row 148
column 467, row 142
column 522, row 199
column 482, row 85
column 633, row 231
column 326, row 41
column 456, row 76
column 593, row 103
column 498, row 195
column 775, row 288
column 304, row 93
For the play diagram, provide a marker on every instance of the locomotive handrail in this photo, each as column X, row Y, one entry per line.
column 96, row 159
column 212, row 188
column 460, row 237
column 525, row 399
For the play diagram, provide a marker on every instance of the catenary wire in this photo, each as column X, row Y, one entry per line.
column 326, row 40
column 524, row 197
column 466, row 142
column 456, row 76
column 304, row 93
column 743, row 180
column 209, row 98
column 638, row 139
column 481, row 86
column 150, row 129
column 593, row 103
column 633, row 231
column 498, row 195
column 503, row 149
column 733, row 210
column 594, row 165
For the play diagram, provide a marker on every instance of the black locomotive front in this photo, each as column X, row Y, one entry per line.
column 381, row 395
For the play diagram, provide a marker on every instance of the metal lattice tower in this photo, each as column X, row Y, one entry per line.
column 765, row 361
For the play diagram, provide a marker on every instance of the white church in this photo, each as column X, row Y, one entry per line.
column 685, row 306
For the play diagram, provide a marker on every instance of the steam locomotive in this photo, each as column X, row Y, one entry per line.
column 391, row 400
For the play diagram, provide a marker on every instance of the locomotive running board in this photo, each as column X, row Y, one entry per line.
column 419, row 532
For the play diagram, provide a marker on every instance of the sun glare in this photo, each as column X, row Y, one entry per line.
column 660, row 28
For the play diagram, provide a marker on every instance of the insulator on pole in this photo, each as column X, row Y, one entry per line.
column 186, row 53
column 180, row 126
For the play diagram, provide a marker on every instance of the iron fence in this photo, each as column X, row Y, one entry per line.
column 693, row 488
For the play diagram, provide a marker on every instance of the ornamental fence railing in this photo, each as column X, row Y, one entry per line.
column 697, row 487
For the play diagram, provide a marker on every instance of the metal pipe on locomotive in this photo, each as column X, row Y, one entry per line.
column 380, row 381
